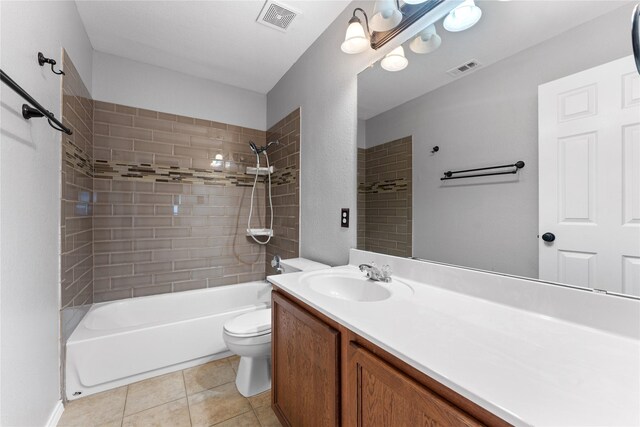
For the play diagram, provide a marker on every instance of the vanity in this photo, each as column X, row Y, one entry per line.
column 443, row 345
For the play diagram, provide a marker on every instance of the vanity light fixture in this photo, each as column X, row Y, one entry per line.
column 426, row 41
column 356, row 40
column 395, row 60
column 462, row 17
column 389, row 19
column 386, row 15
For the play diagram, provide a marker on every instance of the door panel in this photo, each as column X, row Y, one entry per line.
column 576, row 175
column 631, row 175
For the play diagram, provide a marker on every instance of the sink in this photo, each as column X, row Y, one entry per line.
column 352, row 286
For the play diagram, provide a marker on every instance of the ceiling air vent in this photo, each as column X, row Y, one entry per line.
column 467, row 67
column 276, row 15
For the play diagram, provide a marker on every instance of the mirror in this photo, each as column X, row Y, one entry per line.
column 550, row 84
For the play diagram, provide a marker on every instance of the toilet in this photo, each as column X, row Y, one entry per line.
column 249, row 336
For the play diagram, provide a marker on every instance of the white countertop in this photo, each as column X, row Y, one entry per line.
column 525, row 367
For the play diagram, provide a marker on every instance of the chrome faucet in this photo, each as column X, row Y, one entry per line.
column 377, row 274
column 275, row 263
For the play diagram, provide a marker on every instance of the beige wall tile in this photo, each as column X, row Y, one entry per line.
column 148, row 225
column 112, row 118
column 129, row 132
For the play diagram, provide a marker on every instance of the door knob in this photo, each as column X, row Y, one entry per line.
column 548, row 237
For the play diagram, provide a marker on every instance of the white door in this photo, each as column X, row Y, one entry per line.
column 589, row 178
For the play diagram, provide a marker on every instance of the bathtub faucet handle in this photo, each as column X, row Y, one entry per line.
column 275, row 263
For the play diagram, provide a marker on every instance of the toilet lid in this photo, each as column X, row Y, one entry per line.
column 250, row 324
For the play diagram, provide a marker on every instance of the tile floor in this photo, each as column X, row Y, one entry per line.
column 204, row 395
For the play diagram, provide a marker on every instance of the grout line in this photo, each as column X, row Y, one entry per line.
column 257, row 417
column 184, row 381
column 236, row 415
column 126, row 396
column 156, row 406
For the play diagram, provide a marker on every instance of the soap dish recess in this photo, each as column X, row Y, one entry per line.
column 260, row 232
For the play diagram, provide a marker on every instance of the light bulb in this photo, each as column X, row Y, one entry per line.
column 395, row 60
column 386, row 15
column 426, row 41
column 355, row 40
column 462, row 17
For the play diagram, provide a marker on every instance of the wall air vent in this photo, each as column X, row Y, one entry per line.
column 465, row 68
column 277, row 16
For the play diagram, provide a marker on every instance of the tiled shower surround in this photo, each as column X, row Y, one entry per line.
column 285, row 189
column 154, row 202
column 385, row 198
column 172, row 203
column 76, row 251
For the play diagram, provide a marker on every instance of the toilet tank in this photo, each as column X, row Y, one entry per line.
column 293, row 265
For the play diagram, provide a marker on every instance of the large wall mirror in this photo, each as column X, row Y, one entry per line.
column 551, row 84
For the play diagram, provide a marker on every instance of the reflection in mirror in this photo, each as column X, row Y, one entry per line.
column 552, row 84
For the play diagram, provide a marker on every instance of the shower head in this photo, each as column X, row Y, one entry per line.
column 259, row 150
column 254, row 148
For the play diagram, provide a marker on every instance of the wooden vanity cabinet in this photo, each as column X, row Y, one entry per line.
column 326, row 375
column 385, row 396
column 305, row 358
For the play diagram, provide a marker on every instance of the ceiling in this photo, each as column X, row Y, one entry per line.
column 216, row 40
column 506, row 27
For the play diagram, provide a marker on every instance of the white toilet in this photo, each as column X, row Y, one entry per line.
column 249, row 336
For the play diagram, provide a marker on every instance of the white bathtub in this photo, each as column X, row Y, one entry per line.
column 121, row 342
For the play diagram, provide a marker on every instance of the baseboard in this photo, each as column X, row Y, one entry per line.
column 56, row 414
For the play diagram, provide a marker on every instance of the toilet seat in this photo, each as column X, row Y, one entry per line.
column 253, row 324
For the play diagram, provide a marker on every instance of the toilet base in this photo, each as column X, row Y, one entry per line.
column 254, row 375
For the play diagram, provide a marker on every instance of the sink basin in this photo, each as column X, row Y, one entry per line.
column 351, row 289
column 352, row 286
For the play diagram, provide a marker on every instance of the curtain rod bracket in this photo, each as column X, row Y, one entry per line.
column 29, row 112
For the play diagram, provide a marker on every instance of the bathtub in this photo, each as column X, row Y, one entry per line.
column 125, row 341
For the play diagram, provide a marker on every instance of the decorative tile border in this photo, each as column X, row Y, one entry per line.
column 161, row 173
column 76, row 158
column 387, row 186
column 284, row 176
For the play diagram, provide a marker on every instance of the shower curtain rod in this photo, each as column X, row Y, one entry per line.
column 28, row 111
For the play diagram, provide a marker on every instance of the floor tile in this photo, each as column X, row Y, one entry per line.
column 260, row 400
column 266, row 417
column 172, row 414
column 97, row 409
column 216, row 405
column 234, row 361
column 248, row 419
column 154, row 391
column 115, row 423
column 207, row 376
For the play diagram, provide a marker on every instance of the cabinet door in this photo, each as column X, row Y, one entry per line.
column 306, row 371
column 380, row 395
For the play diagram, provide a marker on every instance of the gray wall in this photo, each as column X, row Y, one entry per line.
column 323, row 82
column 123, row 81
column 484, row 119
column 30, row 200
